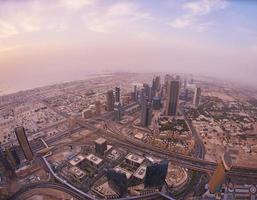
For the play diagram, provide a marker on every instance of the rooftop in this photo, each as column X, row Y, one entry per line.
column 135, row 158
column 100, row 140
column 76, row 160
column 92, row 158
column 140, row 172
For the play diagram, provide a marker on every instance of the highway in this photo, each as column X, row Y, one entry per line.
column 183, row 160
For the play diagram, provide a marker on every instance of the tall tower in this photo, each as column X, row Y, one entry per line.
column 172, row 98
column 117, row 111
column 147, row 91
column 146, row 114
column 110, row 100
column 216, row 181
column 24, row 143
column 97, row 107
column 197, row 96
column 117, row 94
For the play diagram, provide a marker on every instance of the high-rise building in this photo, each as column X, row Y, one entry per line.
column 110, row 100
column 156, row 85
column 135, row 93
column 100, row 146
column 142, row 97
column 117, row 94
column 146, row 114
column 216, row 181
column 24, row 143
column 147, row 92
column 97, row 107
column 155, row 174
column 117, row 111
column 197, row 97
column 156, row 103
column 172, row 98
column 117, row 181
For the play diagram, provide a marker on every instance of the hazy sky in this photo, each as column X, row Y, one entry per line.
column 47, row 41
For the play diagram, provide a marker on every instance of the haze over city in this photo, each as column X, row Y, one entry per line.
column 128, row 99
column 44, row 42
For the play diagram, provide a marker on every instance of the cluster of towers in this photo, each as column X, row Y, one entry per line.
column 113, row 103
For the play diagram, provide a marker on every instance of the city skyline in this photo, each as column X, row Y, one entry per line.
column 54, row 41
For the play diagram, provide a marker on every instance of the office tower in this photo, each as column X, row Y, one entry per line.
column 218, row 177
column 135, row 93
column 155, row 174
column 142, row 97
column 156, row 85
column 172, row 98
column 100, row 146
column 24, row 143
column 97, row 107
column 110, row 100
column 147, row 92
column 117, row 94
column 157, row 103
column 117, row 181
column 146, row 114
column 197, row 96
column 117, row 111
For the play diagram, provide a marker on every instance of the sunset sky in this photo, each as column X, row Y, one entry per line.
column 48, row 41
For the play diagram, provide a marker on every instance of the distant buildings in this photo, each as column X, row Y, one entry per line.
column 117, row 181
column 117, row 111
column 219, row 174
column 117, row 94
column 155, row 174
column 24, row 143
column 100, row 146
column 110, row 100
column 172, row 98
column 146, row 114
column 197, row 96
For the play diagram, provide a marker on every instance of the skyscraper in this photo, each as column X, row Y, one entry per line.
column 155, row 174
column 142, row 97
column 146, row 114
column 156, row 85
column 224, row 165
column 197, row 96
column 100, row 146
column 135, row 92
column 117, row 181
column 172, row 98
column 117, row 94
column 110, row 100
column 97, row 107
column 117, row 111
column 147, row 92
column 24, row 143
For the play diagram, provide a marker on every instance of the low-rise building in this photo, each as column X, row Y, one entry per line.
column 94, row 161
column 134, row 160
